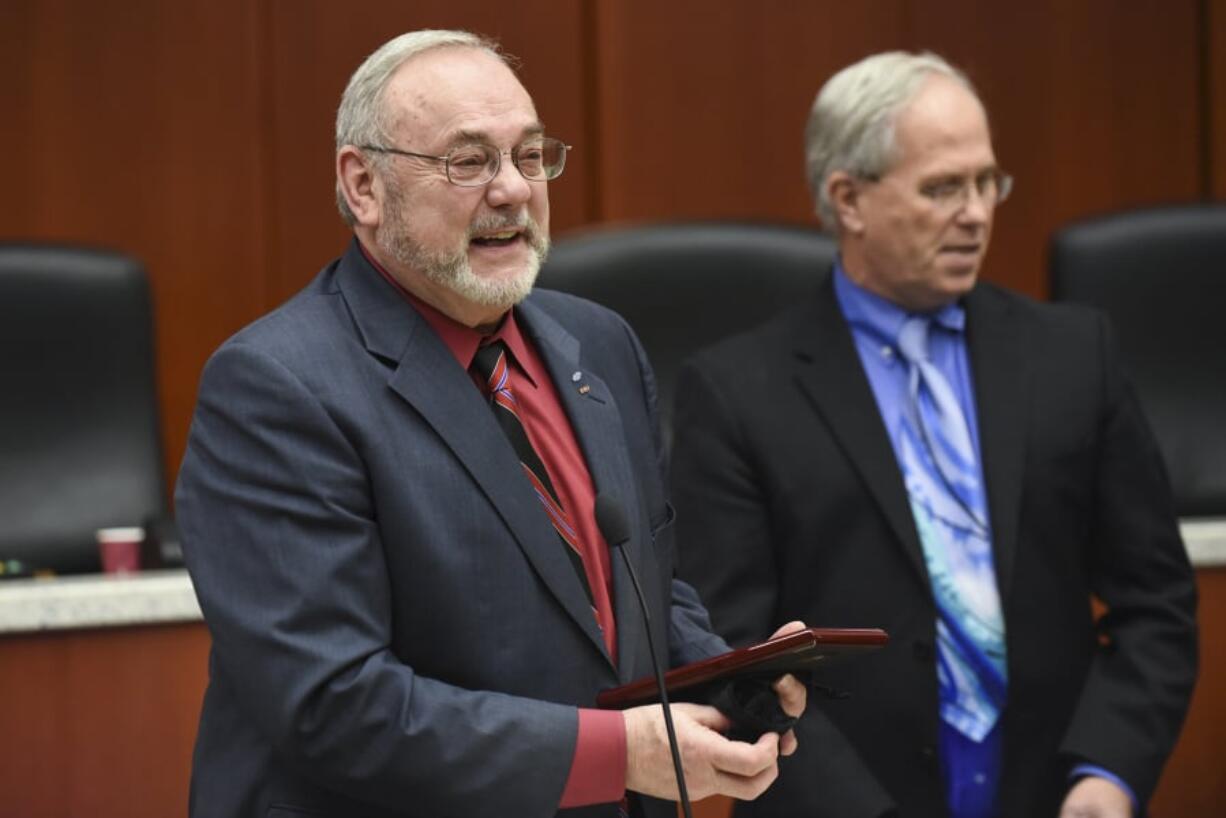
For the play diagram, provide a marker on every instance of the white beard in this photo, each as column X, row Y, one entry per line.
column 451, row 269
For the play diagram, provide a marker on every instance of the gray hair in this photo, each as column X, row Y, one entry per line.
column 362, row 118
column 851, row 124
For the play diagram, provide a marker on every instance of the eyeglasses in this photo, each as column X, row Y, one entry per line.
column 538, row 159
column 951, row 194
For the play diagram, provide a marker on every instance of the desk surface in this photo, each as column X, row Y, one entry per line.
column 97, row 600
column 150, row 597
column 1205, row 540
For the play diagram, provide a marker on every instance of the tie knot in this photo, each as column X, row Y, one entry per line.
column 913, row 338
column 487, row 358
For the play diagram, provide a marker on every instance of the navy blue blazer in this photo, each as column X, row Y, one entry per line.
column 395, row 628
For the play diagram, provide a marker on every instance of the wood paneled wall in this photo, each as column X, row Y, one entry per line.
column 197, row 135
column 1214, row 57
column 100, row 723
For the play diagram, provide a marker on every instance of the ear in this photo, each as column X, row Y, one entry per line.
column 843, row 190
column 356, row 180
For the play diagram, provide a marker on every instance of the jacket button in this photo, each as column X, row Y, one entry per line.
column 921, row 650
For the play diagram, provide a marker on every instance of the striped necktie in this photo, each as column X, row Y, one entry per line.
column 945, row 487
column 491, row 365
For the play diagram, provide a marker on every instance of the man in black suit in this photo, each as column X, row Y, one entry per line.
column 916, row 450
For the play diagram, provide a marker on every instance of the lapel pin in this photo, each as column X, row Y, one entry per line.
column 583, row 390
column 576, row 375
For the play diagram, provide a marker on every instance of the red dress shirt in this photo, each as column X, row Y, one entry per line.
column 598, row 769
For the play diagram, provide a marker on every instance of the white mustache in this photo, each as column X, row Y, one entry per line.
column 494, row 223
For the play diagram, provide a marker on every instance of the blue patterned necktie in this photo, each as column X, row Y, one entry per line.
column 945, row 487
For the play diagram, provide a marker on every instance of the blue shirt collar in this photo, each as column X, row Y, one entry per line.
column 879, row 317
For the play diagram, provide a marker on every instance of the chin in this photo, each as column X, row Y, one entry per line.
column 498, row 288
column 946, row 288
column 960, row 286
column 960, row 276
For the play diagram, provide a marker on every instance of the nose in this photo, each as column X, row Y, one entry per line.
column 976, row 209
column 508, row 187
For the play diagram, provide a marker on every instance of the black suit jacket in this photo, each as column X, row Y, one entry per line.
column 791, row 506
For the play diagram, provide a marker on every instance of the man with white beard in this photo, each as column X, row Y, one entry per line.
column 388, row 499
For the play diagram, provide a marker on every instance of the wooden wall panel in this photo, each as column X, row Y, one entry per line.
column 1095, row 107
column 134, row 133
column 1193, row 783
column 100, row 723
column 702, row 110
column 313, row 47
column 1215, row 98
column 702, row 106
column 17, row 141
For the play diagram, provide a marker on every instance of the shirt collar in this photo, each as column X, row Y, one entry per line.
column 510, row 335
column 868, row 312
column 462, row 340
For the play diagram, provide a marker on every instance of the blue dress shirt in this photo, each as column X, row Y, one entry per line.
column 875, row 323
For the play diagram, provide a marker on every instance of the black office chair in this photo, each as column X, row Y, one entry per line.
column 1160, row 275
column 79, row 441
column 684, row 286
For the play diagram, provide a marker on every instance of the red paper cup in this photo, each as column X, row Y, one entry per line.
column 120, row 549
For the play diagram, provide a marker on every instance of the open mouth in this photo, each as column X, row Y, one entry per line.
column 497, row 239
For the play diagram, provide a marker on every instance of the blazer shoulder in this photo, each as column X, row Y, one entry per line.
column 760, row 345
column 1047, row 318
column 577, row 314
column 310, row 329
column 604, row 335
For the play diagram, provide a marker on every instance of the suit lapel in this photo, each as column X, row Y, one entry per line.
column 1001, row 383
column 427, row 376
column 596, row 422
column 829, row 372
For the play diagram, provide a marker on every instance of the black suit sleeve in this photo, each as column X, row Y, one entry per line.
column 1135, row 698
column 726, row 540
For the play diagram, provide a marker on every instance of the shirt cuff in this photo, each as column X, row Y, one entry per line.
column 1084, row 770
column 598, row 770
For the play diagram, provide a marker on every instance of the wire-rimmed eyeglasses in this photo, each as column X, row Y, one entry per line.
column 952, row 193
column 538, row 159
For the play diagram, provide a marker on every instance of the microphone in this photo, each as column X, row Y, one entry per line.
column 611, row 521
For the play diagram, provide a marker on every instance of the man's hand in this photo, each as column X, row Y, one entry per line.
column 1094, row 797
column 713, row 765
column 793, row 696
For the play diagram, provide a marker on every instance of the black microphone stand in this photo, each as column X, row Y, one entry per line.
column 612, row 524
